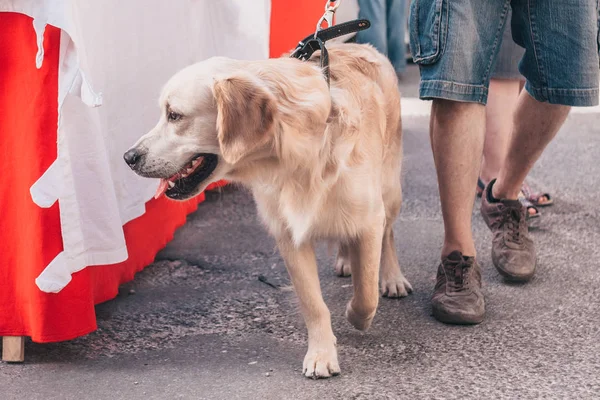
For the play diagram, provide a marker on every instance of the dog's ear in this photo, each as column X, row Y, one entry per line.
column 246, row 116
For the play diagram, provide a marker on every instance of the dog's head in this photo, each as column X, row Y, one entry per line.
column 213, row 115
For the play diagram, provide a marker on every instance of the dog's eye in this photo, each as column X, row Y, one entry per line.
column 173, row 116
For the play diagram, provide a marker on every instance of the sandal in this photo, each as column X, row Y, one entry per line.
column 536, row 198
column 532, row 218
column 522, row 198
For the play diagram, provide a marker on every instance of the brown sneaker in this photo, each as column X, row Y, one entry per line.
column 513, row 251
column 457, row 297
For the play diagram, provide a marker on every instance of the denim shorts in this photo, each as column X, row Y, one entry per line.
column 456, row 44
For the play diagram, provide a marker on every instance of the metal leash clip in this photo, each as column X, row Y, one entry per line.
column 330, row 7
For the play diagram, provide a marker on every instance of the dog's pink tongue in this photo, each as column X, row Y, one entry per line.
column 162, row 187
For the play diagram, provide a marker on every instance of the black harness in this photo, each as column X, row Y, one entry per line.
column 316, row 41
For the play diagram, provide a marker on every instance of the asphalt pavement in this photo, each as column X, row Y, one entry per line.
column 214, row 316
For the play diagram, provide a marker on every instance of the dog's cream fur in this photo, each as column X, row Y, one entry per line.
column 322, row 163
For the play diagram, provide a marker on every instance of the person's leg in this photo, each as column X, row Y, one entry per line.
column 455, row 44
column 535, row 124
column 456, row 54
column 396, row 24
column 456, row 131
column 502, row 101
column 551, row 33
column 376, row 35
column 501, row 105
column 513, row 250
column 505, row 86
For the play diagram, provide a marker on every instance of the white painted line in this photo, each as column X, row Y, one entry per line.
column 585, row 110
column 414, row 107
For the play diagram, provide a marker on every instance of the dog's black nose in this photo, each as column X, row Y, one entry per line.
column 132, row 156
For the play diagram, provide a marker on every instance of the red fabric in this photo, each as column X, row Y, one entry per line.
column 292, row 21
column 29, row 235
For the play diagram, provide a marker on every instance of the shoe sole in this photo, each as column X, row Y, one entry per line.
column 512, row 277
column 534, row 222
column 457, row 319
column 515, row 278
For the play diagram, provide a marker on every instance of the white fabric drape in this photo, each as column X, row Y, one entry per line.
column 114, row 58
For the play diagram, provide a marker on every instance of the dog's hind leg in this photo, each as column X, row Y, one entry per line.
column 393, row 283
column 365, row 256
column 342, row 262
column 321, row 359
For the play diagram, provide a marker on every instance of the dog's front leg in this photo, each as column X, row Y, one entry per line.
column 321, row 359
column 365, row 256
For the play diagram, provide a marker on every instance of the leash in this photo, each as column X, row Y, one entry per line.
column 316, row 41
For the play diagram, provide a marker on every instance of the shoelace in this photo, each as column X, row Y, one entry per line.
column 458, row 276
column 513, row 219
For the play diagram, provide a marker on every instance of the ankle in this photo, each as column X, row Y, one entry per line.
column 485, row 178
column 487, row 174
column 466, row 249
column 500, row 192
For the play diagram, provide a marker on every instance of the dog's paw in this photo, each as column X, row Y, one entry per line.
column 342, row 266
column 321, row 362
column 359, row 321
column 396, row 287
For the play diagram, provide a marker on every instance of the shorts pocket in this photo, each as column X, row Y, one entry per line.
column 428, row 30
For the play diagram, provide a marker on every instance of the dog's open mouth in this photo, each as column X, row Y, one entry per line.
column 186, row 181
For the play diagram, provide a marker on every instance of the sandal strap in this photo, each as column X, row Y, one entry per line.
column 530, row 193
column 480, row 184
column 528, row 205
column 525, row 201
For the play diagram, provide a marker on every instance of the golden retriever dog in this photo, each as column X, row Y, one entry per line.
column 321, row 163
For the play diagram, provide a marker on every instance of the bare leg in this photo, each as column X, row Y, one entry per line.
column 502, row 101
column 535, row 124
column 321, row 359
column 365, row 257
column 457, row 131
